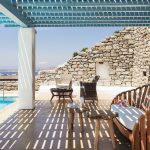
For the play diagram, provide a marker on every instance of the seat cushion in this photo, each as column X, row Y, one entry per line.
column 127, row 116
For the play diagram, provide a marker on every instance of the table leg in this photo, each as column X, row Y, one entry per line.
column 81, row 121
column 111, row 131
column 70, row 119
column 97, row 137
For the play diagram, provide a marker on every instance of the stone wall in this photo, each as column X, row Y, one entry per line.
column 9, row 86
column 141, row 56
column 127, row 52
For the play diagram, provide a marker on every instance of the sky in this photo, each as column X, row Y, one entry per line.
column 54, row 46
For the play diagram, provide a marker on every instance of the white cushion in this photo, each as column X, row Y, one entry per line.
column 128, row 116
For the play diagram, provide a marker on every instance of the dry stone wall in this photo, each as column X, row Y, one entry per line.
column 9, row 86
column 127, row 53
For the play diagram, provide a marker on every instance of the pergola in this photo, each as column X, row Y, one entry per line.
column 28, row 14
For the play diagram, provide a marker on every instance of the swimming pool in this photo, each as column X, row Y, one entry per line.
column 6, row 101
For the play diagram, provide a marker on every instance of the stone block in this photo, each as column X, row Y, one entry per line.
column 118, row 82
column 127, row 36
column 128, row 84
column 109, row 47
column 115, row 46
column 92, row 65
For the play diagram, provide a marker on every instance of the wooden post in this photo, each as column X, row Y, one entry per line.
column 111, row 131
column 97, row 137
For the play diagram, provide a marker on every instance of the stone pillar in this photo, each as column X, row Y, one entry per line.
column 26, row 68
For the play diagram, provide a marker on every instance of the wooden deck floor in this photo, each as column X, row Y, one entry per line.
column 45, row 127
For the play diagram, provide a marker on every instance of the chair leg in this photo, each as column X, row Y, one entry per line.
column 70, row 96
column 59, row 96
column 52, row 97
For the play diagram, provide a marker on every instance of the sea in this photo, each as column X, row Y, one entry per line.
column 8, row 73
column 12, row 73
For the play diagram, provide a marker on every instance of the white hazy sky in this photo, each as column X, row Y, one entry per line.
column 54, row 46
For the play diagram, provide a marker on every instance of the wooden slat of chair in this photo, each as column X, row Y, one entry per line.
column 148, row 129
column 134, row 98
column 149, row 89
column 144, row 95
column 139, row 97
column 120, row 96
column 146, row 102
column 142, row 130
column 129, row 98
column 124, row 95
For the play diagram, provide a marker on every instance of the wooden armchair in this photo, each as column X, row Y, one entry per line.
column 137, row 98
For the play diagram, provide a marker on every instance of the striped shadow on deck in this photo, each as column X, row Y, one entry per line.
column 45, row 127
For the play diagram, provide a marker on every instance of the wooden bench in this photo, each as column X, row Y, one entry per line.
column 139, row 99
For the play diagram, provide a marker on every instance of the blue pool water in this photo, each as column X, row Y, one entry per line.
column 6, row 101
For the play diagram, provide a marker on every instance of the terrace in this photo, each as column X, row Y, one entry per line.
column 39, row 124
column 45, row 127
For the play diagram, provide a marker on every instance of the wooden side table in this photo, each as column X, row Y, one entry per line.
column 72, row 108
column 103, row 115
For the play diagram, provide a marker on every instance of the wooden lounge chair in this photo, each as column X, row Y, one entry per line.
column 63, row 87
column 88, row 91
column 139, row 99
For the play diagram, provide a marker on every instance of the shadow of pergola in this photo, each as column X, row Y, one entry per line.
column 45, row 127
